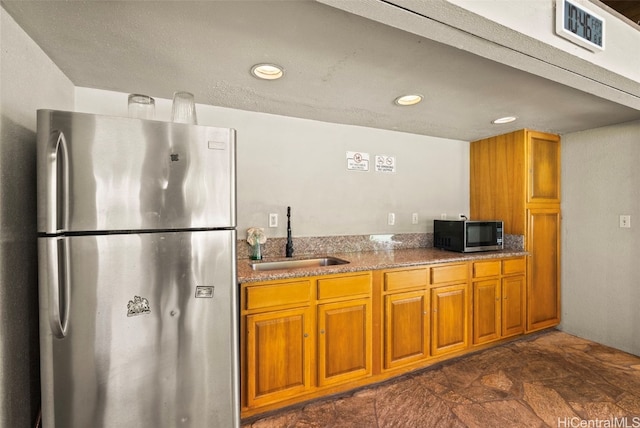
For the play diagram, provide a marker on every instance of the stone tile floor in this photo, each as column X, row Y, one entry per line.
column 550, row 379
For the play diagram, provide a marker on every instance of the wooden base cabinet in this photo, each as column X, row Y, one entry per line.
column 449, row 319
column 405, row 334
column 276, row 344
column 513, row 305
column 449, row 308
column 278, row 355
column 426, row 313
column 344, row 341
column 304, row 338
column 498, row 299
column 302, row 335
column 486, row 311
column 406, row 328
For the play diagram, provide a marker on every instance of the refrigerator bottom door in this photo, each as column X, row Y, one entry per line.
column 152, row 333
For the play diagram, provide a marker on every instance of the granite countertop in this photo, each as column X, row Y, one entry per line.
column 367, row 260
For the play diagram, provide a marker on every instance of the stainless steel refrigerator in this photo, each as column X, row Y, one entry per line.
column 137, row 273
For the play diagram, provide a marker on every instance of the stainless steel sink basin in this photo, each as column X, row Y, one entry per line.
column 301, row 263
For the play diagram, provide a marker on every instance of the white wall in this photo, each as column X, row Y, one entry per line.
column 284, row 161
column 28, row 81
column 600, row 260
column 537, row 20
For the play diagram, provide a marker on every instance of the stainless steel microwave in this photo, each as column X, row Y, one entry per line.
column 467, row 236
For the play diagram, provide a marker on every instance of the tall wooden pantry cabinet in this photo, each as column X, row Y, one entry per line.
column 515, row 177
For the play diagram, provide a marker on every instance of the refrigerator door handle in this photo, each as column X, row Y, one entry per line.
column 58, row 285
column 57, row 177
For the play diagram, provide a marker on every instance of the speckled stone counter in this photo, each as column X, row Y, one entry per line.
column 367, row 260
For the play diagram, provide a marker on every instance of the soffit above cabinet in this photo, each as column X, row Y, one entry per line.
column 340, row 67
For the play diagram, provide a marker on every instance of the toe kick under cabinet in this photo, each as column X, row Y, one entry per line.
column 303, row 338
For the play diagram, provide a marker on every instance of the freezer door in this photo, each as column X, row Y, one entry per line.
column 148, row 335
column 115, row 173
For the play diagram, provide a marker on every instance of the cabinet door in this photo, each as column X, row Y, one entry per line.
column 486, row 311
column 543, row 268
column 344, row 341
column 278, row 355
column 513, row 305
column 406, row 333
column 544, row 168
column 449, row 319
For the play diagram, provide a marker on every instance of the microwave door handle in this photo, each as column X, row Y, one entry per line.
column 57, row 283
column 57, row 176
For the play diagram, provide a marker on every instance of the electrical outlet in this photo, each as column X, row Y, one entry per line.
column 414, row 218
column 391, row 219
column 443, row 216
column 625, row 221
column 273, row 220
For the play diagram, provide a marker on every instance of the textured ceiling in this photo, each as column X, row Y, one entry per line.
column 340, row 67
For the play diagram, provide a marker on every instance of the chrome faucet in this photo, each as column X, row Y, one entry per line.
column 289, row 249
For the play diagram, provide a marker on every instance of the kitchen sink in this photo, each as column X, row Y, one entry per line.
column 300, row 263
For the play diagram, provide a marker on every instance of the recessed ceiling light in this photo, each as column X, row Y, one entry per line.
column 506, row 119
column 267, row 71
column 408, row 100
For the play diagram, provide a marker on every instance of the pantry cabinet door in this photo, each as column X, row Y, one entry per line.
column 543, row 268
column 544, row 168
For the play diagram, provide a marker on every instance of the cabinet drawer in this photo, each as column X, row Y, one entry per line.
column 278, row 294
column 329, row 288
column 513, row 266
column 488, row 268
column 449, row 273
column 399, row 280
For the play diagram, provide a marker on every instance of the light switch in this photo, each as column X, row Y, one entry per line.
column 625, row 220
column 273, row 220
